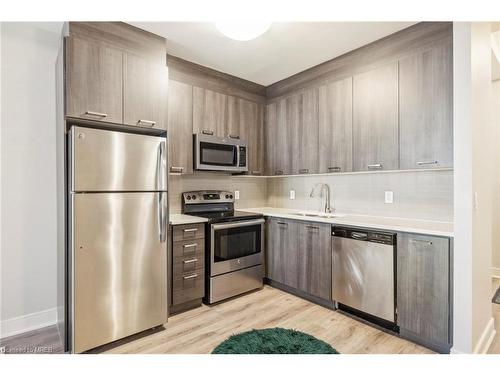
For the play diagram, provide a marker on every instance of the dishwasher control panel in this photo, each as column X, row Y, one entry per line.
column 364, row 235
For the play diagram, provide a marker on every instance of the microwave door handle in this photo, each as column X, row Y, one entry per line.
column 237, row 156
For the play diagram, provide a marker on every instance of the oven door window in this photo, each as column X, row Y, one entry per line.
column 218, row 154
column 237, row 242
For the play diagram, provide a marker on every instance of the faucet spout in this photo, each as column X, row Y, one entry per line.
column 326, row 188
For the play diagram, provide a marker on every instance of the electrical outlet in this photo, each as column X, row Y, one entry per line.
column 292, row 194
column 236, row 194
column 389, row 197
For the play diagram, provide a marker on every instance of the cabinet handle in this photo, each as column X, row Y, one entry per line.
column 374, row 166
column 191, row 276
column 190, row 261
column 282, row 223
column 233, row 136
column 146, row 122
column 427, row 162
column 190, row 230
column 312, row 227
column 255, row 172
column 190, row 245
column 335, row 169
column 207, row 132
column 421, row 241
column 278, row 172
column 176, row 169
column 303, row 171
column 98, row 114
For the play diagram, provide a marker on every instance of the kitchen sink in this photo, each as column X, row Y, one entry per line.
column 318, row 215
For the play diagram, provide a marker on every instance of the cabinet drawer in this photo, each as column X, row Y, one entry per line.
column 190, row 263
column 195, row 247
column 188, row 287
column 188, row 232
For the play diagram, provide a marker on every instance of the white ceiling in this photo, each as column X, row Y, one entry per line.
column 285, row 49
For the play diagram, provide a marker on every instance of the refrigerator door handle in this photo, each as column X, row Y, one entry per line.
column 161, row 167
column 162, row 217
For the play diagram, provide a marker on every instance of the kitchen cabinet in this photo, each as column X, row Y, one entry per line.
column 145, row 88
column 209, row 112
column 180, row 127
column 335, row 126
column 423, row 289
column 94, row 81
column 278, row 137
column 315, row 259
column 426, row 108
column 375, row 119
column 281, row 251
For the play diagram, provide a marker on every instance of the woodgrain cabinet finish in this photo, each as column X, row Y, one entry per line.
column 423, row 288
column 180, row 127
column 209, row 112
column 145, row 88
column 94, row 81
column 315, row 259
column 375, row 119
column 335, row 126
column 281, row 251
column 426, row 108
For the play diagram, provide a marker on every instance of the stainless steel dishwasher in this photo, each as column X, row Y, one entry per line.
column 363, row 274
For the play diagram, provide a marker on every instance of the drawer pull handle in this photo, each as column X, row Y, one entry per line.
column 146, row 122
column 312, row 227
column 190, row 245
column 303, row 171
column 427, row 162
column 190, row 230
column 256, row 172
column 282, row 223
column 335, row 169
column 421, row 241
column 98, row 114
column 191, row 276
column 176, row 169
column 233, row 136
column 207, row 132
column 278, row 172
column 375, row 166
column 190, row 261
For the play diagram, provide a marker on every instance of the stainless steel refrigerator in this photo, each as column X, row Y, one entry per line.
column 118, row 251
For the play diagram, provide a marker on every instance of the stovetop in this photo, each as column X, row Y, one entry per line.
column 226, row 216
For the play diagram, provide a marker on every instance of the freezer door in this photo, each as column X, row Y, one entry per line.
column 119, row 262
column 103, row 160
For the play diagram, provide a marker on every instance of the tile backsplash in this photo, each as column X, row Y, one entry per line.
column 417, row 194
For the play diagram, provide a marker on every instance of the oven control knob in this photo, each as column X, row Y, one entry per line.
column 194, row 196
column 227, row 196
column 188, row 197
column 231, row 196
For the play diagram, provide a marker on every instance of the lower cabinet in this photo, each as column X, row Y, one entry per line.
column 187, row 266
column 423, row 289
column 298, row 255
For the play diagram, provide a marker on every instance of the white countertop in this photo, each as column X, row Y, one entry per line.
column 434, row 228
column 179, row 219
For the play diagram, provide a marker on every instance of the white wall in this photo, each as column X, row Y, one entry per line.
column 495, row 260
column 474, row 146
column 28, row 168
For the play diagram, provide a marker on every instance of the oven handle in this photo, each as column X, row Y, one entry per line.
column 237, row 224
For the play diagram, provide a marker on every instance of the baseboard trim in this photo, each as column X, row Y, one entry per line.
column 486, row 338
column 26, row 323
column 495, row 272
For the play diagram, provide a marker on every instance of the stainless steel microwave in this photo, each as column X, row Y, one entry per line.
column 213, row 153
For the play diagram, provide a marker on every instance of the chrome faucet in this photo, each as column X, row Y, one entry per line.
column 328, row 208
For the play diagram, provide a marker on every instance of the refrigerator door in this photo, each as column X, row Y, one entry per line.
column 103, row 160
column 119, row 261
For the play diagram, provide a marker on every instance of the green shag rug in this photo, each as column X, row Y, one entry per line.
column 273, row 341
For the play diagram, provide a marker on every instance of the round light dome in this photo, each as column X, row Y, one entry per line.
column 243, row 30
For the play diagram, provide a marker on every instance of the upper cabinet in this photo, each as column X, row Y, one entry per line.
column 335, row 126
column 375, row 119
column 426, row 108
column 111, row 85
column 209, row 112
column 94, row 81
column 180, row 127
column 145, row 88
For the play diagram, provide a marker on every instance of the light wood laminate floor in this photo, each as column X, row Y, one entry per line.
column 495, row 345
column 202, row 329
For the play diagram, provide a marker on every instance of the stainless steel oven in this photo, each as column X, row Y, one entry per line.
column 213, row 153
column 236, row 245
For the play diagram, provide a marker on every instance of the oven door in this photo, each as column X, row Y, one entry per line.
column 236, row 245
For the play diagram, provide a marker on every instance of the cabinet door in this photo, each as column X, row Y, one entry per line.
column 271, row 134
column 278, row 137
column 315, row 259
column 251, row 130
column 426, row 108
column 94, row 81
column 335, row 126
column 180, row 127
column 423, row 282
column 281, row 251
column 209, row 112
column 375, row 116
column 145, row 87
column 302, row 123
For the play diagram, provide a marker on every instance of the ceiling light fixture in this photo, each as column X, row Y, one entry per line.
column 243, row 30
